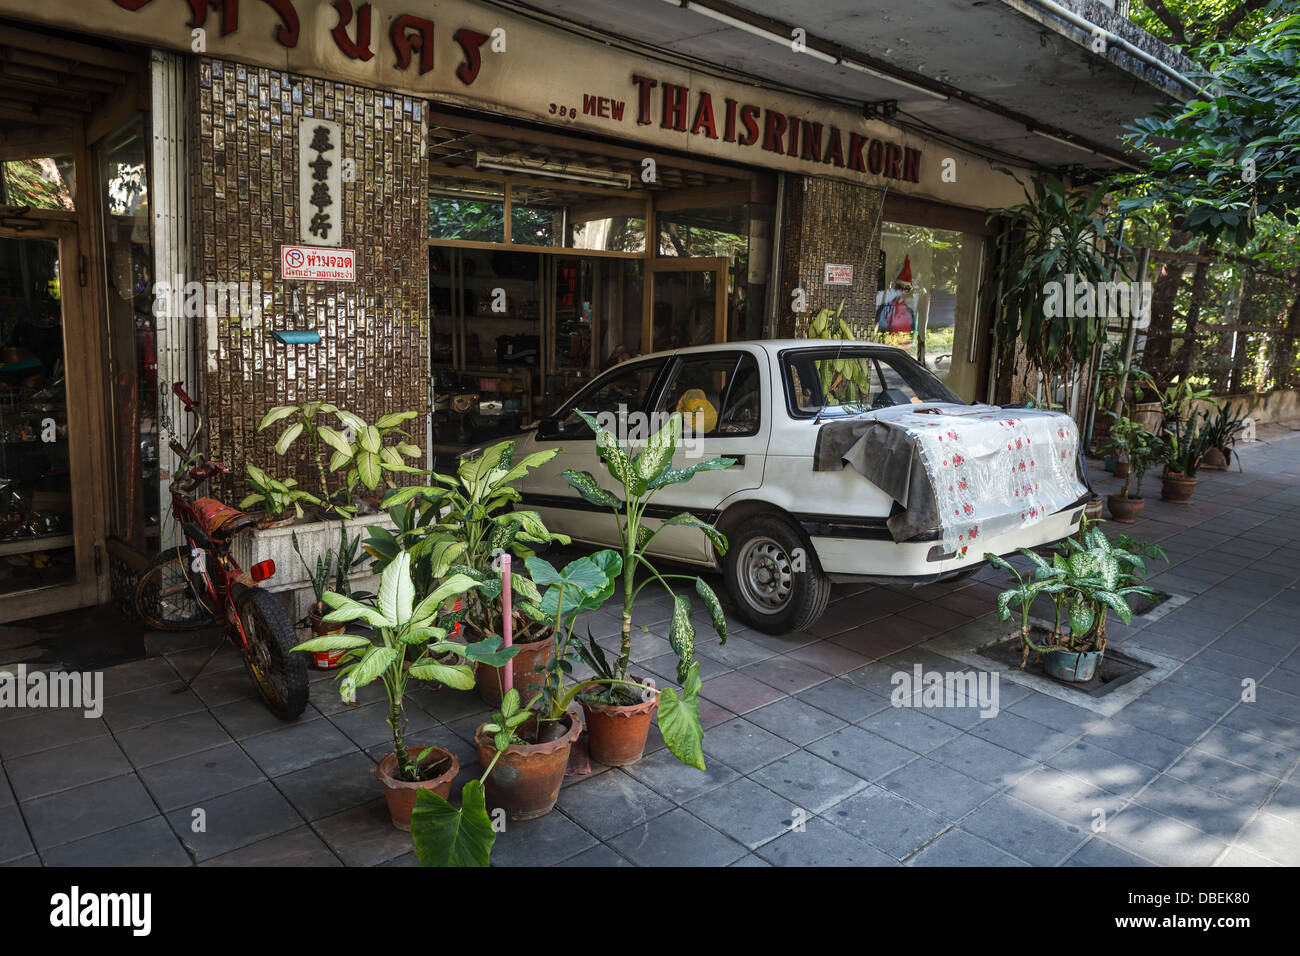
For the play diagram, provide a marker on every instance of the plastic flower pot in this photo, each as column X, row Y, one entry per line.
column 1073, row 666
column 324, row 660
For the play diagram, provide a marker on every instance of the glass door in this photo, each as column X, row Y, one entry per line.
column 48, row 489
column 686, row 303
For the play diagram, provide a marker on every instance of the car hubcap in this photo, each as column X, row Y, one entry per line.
column 765, row 574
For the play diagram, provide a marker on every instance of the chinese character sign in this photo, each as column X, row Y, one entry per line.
column 320, row 182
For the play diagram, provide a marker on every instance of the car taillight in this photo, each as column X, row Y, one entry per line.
column 263, row 570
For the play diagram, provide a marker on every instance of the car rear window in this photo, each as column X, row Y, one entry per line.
column 848, row 381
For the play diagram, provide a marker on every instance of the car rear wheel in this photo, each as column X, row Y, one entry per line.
column 773, row 575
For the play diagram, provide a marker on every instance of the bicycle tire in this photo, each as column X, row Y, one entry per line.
column 170, row 596
column 279, row 675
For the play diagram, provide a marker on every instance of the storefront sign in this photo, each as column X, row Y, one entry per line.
column 839, row 274
column 320, row 182
column 328, row 265
column 466, row 54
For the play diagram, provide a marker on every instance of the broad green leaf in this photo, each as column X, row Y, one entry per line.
column 679, row 720
column 431, row 605
column 681, row 635
column 535, row 460
column 1081, row 617
column 445, row 836
column 287, row 437
column 1116, row 604
column 369, row 470
column 489, row 651
column 352, row 421
column 370, row 439
column 274, row 415
column 394, row 419
column 587, row 487
column 658, row 452
column 376, row 661
column 396, row 590
column 346, row 609
column 714, row 607
column 456, row 676
column 713, row 534
column 332, row 642
column 611, row 451
column 334, row 439
column 674, row 476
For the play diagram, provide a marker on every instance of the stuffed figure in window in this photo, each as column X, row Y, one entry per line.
column 896, row 315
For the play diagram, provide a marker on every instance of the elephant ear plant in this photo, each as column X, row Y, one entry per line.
column 1084, row 582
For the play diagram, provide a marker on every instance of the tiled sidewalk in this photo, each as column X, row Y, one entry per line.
column 800, row 727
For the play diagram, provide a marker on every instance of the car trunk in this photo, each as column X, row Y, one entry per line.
column 960, row 474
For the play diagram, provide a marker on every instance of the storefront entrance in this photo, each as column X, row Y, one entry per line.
column 552, row 258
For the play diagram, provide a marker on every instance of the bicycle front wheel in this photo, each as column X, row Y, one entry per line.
column 171, row 595
column 280, row 676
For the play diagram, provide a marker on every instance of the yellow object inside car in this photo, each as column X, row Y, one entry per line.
column 698, row 413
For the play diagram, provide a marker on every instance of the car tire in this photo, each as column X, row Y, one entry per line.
column 769, row 593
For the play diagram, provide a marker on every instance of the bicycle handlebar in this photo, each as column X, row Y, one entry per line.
column 179, row 391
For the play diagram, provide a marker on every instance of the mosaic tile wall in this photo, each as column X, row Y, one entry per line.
column 827, row 221
column 373, row 357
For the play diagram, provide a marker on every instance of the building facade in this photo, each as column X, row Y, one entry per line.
column 456, row 208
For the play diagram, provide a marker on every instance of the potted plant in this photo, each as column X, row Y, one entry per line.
column 1185, row 446
column 1084, row 582
column 618, row 713
column 1221, row 433
column 363, row 455
column 401, row 625
column 465, row 524
column 275, row 497
column 338, row 563
column 1140, row 450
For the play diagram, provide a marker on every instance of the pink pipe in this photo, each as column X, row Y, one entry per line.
column 507, row 619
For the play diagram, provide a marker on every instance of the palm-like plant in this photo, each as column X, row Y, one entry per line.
column 1061, row 236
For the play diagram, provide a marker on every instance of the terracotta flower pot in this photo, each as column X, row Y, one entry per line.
column 1121, row 469
column 1124, row 509
column 1216, row 459
column 400, row 794
column 616, row 735
column 526, row 780
column 324, row 660
column 1176, row 487
column 489, row 679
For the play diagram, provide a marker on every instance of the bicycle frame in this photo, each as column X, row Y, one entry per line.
column 224, row 588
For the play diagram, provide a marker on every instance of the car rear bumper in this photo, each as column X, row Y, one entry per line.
column 857, row 558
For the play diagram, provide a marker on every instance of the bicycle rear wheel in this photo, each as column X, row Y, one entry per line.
column 171, row 595
column 280, row 676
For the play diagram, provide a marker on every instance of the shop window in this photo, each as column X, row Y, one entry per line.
column 928, row 299
column 45, row 182
column 718, row 392
column 467, row 209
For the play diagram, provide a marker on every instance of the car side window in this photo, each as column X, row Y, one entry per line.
column 718, row 393
column 618, row 393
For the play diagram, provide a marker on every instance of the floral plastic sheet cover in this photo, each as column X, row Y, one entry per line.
column 995, row 470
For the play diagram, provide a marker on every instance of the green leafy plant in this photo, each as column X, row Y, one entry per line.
column 465, row 523
column 401, row 625
column 1062, row 235
column 363, row 454
column 1131, row 442
column 1222, row 429
column 447, row 836
column 1084, row 581
column 275, row 496
column 1185, row 445
column 302, row 420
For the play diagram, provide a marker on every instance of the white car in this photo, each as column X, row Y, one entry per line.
column 797, row 519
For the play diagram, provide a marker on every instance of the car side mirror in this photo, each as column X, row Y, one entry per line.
column 549, row 425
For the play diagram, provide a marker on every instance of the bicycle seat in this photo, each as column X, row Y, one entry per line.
column 219, row 521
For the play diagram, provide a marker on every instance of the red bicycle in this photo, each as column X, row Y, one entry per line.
column 199, row 583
